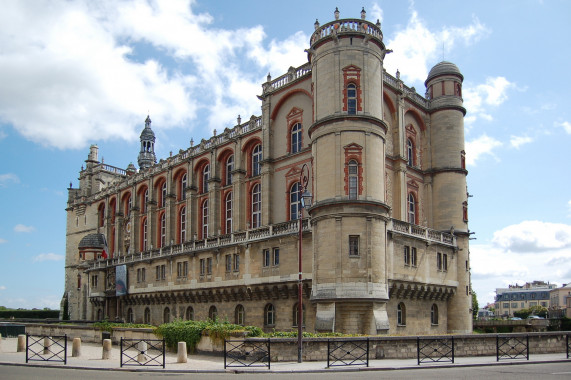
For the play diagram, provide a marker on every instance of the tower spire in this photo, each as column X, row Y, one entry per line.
column 147, row 156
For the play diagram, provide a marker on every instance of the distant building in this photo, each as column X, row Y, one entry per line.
column 213, row 230
column 561, row 300
column 518, row 297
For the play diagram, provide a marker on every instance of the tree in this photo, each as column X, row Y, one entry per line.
column 475, row 307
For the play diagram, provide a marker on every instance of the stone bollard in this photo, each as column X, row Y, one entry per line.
column 21, row 343
column 181, row 354
column 142, row 347
column 106, row 349
column 0, row 342
column 76, row 348
column 46, row 345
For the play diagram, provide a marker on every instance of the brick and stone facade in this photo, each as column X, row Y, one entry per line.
column 213, row 230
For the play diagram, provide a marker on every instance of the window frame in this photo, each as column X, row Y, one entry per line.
column 296, row 138
column 229, row 166
column 401, row 314
column 257, row 160
column 294, row 201
column 354, row 245
column 269, row 315
column 353, row 179
column 228, row 211
column 352, row 98
column 256, row 205
column 434, row 314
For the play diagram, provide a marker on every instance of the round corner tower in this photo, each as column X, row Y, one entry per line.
column 349, row 216
column 450, row 196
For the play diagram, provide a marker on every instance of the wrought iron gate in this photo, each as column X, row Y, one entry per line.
column 46, row 348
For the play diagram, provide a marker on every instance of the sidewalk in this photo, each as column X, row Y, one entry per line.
column 91, row 359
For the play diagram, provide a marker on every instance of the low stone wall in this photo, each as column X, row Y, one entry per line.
column 315, row 349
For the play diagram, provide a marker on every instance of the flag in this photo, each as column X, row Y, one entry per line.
column 105, row 248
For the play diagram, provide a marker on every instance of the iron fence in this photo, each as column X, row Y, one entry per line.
column 439, row 349
column 143, row 352
column 347, row 352
column 512, row 347
column 46, row 348
column 250, row 353
column 568, row 346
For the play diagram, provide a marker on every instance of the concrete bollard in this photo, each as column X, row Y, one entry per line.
column 142, row 347
column 106, row 349
column 21, row 343
column 46, row 345
column 181, row 353
column 76, row 348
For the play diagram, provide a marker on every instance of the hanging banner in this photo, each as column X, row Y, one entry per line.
column 121, row 280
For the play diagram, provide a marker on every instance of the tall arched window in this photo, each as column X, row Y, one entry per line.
column 164, row 194
column 183, row 185
column 434, row 314
column 182, row 224
column 166, row 315
column 296, row 138
column 204, row 219
column 296, row 315
column 144, row 200
column 239, row 315
column 351, row 99
column 147, row 316
column 213, row 313
column 256, row 206
column 205, row 178
column 128, row 205
column 410, row 152
column 411, row 209
column 163, row 229
column 101, row 214
column 228, row 213
column 189, row 315
column 294, row 201
column 144, row 234
column 269, row 315
column 353, row 179
column 130, row 316
column 401, row 314
column 257, row 160
column 229, row 169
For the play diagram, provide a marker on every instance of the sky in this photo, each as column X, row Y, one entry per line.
column 78, row 72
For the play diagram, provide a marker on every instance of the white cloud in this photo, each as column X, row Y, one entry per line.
column 48, row 257
column 481, row 146
column 517, row 141
column 2, row 287
column 569, row 207
column 2, row 241
column 7, row 178
column 415, row 47
column 533, row 237
column 479, row 98
column 565, row 125
column 23, row 228
column 375, row 13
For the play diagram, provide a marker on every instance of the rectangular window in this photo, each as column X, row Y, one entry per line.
column 413, row 256
column 94, row 282
column 276, row 257
column 182, row 269
column 353, row 245
column 514, row 305
column 445, row 262
column 209, row 265
column 544, row 304
column 160, row 272
column 406, row 255
column 522, row 305
column 163, row 272
column 228, row 263
column 202, row 267
column 439, row 261
column 139, row 274
column 236, row 262
column 157, row 272
column 533, row 304
column 266, row 258
column 506, row 305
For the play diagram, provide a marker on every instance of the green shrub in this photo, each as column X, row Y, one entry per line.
column 29, row 314
column 109, row 326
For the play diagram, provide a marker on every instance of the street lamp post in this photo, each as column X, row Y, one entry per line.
column 304, row 199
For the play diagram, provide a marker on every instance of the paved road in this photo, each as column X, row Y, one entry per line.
column 526, row 371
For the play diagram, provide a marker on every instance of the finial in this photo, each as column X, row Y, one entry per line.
column 363, row 13
column 239, row 118
column 378, row 23
column 316, row 24
column 336, row 13
column 269, row 78
column 70, row 185
column 398, row 74
column 147, row 121
column 214, row 131
column 191, row 142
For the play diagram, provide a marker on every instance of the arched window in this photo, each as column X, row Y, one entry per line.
column 163, row 229
column 166, row 315
column 189, row 315
column 256, row 206
column 130, row 316
column 147, row 316
column 204, row 219
column 296, row 138
column 228, row 213
column 128, row 205
column 213, row 313
column 239, row 315
column 351, row 99
column 101, row 214
column 99, row 314
column 401, row 314
column 353, row 179
column 269, row 315
column 182, row 224
column 434, row 314
column 296, row 315
column 164, row 194
column 410, row 152
column 229, row 169
column 205, row 178
column 144, row 200
column 144, row 231
column 183, row 185
column 257, row 160
column 294, row 201
column 411, row 209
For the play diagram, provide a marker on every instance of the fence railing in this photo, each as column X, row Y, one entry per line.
column 347, row 352
column 143, row 352
column 46, row 348
column 435, row 349
column 241, row 353
column 568, row 346
column 512, row 347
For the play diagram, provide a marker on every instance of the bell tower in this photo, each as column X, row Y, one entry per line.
column 147, row 156
column 349, row 216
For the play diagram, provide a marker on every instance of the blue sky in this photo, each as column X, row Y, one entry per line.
column 75, row 73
